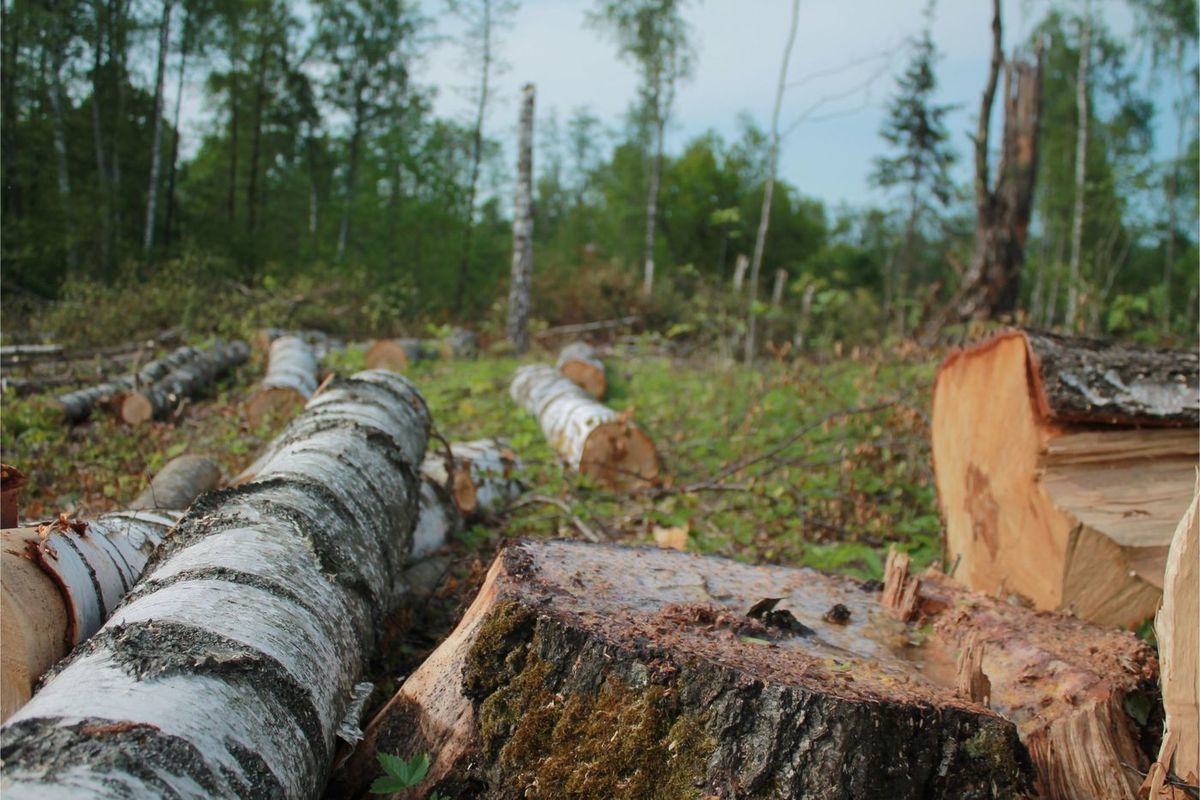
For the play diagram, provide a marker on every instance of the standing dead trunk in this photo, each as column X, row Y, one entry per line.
column 230, row 668
column 160, row 398
column 741, row 263
column 764, row 214
column 1081, row 146
column 591, row 438
column 291, row 379
column 580, row 363
column 164, row 39
column 522, row 258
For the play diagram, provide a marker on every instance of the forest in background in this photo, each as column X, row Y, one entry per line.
column 324, row 173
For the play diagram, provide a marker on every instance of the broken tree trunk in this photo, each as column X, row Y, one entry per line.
column 600, row 671
column 160, row 398
column 580, row 362
column 77, row 406
column 291, row 379
column 1064, row 683
column 179, row 482
column 1062, row 467
column 231, row 666
column 590, row 437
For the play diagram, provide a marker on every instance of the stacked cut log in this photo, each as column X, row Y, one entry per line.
column 1062, row 467
column 291, row 379
column 77, row 406
column 590, row 437
column 599, row 671
column 157, row 399
column 230, row 667
column 64, row 578
column 580, row 363
column 399, row 354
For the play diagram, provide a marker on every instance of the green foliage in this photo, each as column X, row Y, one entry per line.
column 399, row 774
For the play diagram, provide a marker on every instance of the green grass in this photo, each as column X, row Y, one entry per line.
column 840, row 485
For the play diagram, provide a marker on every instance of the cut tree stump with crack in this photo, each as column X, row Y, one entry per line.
column 290, row 379
column 601, row 671
column 233, row 663
column 156, row 400
column 1062, row 467
column 580, row 362
column 590, row 437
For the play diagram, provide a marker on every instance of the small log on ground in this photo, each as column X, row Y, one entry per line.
column 600, row 671
column 320, row 342
column 230, row 667
column 12, row 480
column 398, row 354
column 590, row 437
column 291, row 379
column 77, row 406
column 179, row 482
column 579, row 362
column 481, row 475
column 1062, row 467
column 61, row 581
column 460, row 344
column 160, row 398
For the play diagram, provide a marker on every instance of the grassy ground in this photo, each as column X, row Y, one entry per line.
column 794, row 462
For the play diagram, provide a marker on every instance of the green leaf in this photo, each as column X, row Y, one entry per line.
column 419, row 768
column 393, row 765
column 388, row 785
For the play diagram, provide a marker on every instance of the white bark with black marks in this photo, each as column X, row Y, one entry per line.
column 522, row 258
column 164, row 38
column 164, row 395
column 291, row 379
column 228, row 670
column 77, row 406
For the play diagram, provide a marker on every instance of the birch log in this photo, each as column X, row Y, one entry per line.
column 481, row 475
column 177, row 484
column 77, row 406
column 590, row 437
column 291, row 379
column 580, row 362
column 230, row 667
column 160, row 398
column 398, row 354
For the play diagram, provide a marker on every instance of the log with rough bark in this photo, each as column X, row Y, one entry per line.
column 600, row 671
column 1062, row 467
column 158, row 399
column 460, row 344
column 12, row 480
column 231, row 666
column 481, row 475
column 179, row 482
column 580, row 362
column 77, row 406
column 290, row 379
column 590, row 437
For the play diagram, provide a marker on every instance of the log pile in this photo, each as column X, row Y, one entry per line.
column 1062, row 467
column 290, row 379
column 77, row 406
column 590, row 437
column 229, row 669
column 155, row 400
column 580, row 363
column 600, row 671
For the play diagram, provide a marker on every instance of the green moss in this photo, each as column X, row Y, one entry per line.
column 995, row 746
column 499, row 648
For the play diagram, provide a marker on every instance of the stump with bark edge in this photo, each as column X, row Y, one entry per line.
column 290, row 379
column 231, row 666
column 580, row 363
column 590, row 437
column 1062, row 466
column 600, row 671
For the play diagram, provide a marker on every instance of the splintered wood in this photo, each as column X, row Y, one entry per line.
column 602, row 671
column 1062, row 466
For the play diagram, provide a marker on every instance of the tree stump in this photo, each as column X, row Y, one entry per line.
column 579, row 362
column 601, row 671
column 1062, row 466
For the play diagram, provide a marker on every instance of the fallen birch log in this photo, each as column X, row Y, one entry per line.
column 579, row 362
column 179, row 482
column 1062, row 467
column 77, row 406
column 590, row 437
column 600, row 671
column 230, row 667
column 158, row 399
column 291, row 379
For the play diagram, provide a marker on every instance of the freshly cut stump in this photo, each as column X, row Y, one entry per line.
column 1062, row 467
column 160, row 398
column 228, row 670
column 579, row 362
column 589, row 671
column 398, row 354
column 291, row 379
column 1080, row 695
column 590, row 437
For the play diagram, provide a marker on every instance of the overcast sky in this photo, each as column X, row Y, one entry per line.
column 740, row 45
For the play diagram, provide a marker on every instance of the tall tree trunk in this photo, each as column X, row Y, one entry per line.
column 260, row 99
column 59, row 131
column 351, row 179
column 106, row 221
column 10, row 30
column 164, row 39
column 464, row 261
column 313, row 193
column 1081, row 145
column 174, row 165
column 1172, row 188
column 118, row 53
column 522, row 258
column 764, row 217
column 234, row 104
column 652, row 202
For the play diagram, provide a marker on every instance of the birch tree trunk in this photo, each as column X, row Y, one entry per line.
column 652, row 201
column 591, row 438
column 231, row 666
column 464, row 262
column 1081, row 145
column 522, row 258
column 59, row 133
column 764, row 217
column 173, row 168
column 164, row 39
column 177, row 484
column 473, row 480
column 351, row 180
column 291, row 379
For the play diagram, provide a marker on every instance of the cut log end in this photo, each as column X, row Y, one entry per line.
column 587, row 376
column 620, row 455
column 276, row 402
column 387, row 354
column 33, row 618
column 134, row 408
